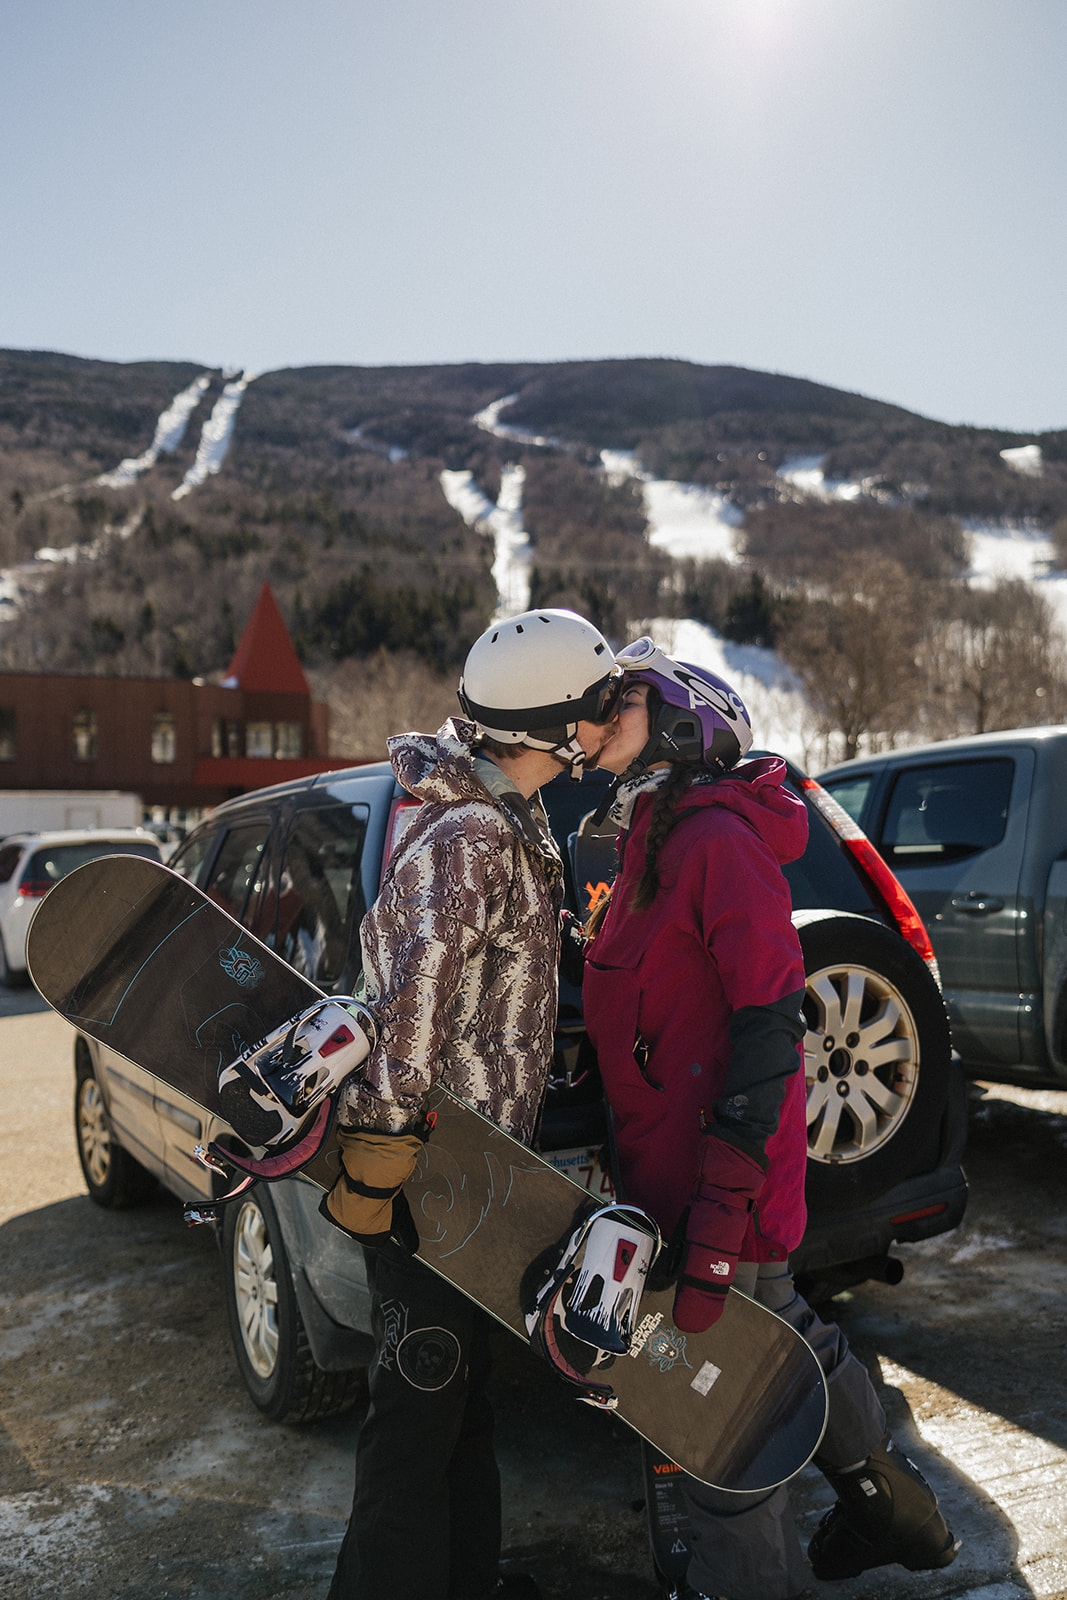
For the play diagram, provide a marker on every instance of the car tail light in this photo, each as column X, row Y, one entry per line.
column 35, row 888
column 917, row 1216
column 401, row 814
column 897, row 900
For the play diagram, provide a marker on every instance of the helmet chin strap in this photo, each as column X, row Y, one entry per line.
column 572, row 758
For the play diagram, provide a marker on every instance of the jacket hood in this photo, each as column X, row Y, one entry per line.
column 438, row 766
column 443, row 767
column 756, row 792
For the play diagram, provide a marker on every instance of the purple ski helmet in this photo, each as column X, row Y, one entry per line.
column 702, row 718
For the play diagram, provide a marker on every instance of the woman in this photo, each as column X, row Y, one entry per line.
column 693, row 988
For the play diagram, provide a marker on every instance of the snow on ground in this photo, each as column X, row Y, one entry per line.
column 691, row 522
column 1008, row 550
column 503, row 522
column 489, row 421
column 170, row 430
column 806, row 474
column 1025, row 458
column 687, row 520
column 215, row 436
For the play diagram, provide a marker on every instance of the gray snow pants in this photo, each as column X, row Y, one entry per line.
column 746, row 1546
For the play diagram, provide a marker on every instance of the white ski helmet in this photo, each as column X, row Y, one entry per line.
column 532, row 678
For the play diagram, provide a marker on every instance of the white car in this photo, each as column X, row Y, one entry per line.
column 30, row 863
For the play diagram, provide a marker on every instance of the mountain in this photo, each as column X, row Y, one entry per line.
column 143, row 504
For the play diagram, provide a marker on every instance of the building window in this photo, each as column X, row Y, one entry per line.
column 7, row 733
column 225, row 739
column 164, row 737
column 288, row 740
column 259, row 739
column 85, row 735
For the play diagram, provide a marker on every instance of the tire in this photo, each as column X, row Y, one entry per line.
column 114, row 1179
column 269, row 1339
column 877, row 1059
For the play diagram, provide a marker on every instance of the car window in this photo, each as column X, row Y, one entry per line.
column 943, row 812
column 850, row 793
column 188, row 860
column 825, row 875
column 319, row 893
column 236, row 874
column 9, row 860
column 51, row 863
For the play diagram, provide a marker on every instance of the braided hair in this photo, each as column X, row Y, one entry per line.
column 665, row 815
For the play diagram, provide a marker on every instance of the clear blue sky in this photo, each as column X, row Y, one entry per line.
column 870, row 193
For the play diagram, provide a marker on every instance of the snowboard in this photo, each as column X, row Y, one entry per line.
column 139, row 959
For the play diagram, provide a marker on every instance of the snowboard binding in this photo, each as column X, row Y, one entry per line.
column 280, row 1094
column 581, row 1299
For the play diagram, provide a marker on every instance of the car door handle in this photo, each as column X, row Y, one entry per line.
column 977, row 902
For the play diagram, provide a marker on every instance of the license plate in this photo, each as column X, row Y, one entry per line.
column 583, row 1167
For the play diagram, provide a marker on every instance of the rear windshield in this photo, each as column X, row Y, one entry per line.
column 53, row 862
column 826, row 877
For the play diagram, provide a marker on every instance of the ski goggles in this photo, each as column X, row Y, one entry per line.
column 640, row 655
column 598, row 704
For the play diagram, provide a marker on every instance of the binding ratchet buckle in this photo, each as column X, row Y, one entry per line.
column 581, row 1300
column 279, row 1095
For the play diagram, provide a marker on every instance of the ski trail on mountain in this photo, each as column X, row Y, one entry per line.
column 170, row 431
column 215, row 436
column 512, row 552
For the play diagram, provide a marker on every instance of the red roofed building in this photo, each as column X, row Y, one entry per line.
column 182, row 746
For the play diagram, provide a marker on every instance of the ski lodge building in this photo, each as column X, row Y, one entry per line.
column 181, row 746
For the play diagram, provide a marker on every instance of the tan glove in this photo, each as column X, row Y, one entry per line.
column 366, row 1201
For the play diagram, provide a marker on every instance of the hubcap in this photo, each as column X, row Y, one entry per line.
column 861, row 1062
column 93, row 1135
column 256, row 1289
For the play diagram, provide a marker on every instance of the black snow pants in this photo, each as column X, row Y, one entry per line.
column 425, row 1521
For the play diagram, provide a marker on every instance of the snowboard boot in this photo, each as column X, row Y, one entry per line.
column 885, row 1512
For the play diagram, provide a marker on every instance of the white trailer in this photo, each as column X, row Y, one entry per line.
column 44, row 810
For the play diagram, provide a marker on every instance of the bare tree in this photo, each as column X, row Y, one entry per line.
column 996, row 661
column 854, row 642
column 373, row 697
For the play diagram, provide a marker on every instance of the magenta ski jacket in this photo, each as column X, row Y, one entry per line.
column 669, row 991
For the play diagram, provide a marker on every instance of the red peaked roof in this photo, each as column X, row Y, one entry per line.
column 265, row 659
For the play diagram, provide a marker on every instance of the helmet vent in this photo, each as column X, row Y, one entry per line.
column 519, row 628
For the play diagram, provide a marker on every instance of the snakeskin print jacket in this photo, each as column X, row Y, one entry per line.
column 460, row 949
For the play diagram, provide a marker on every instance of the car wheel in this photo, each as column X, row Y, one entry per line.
column 271, row 1344
column 114, row 1179
column 877, row 1059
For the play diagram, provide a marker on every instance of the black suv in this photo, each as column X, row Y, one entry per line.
column 298, row 865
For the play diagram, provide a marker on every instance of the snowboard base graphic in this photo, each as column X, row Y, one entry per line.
column 669, row 1532
column 137, row 958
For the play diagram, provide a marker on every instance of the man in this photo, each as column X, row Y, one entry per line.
column 460, row 957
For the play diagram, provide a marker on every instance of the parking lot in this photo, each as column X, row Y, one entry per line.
column 132, row 1463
